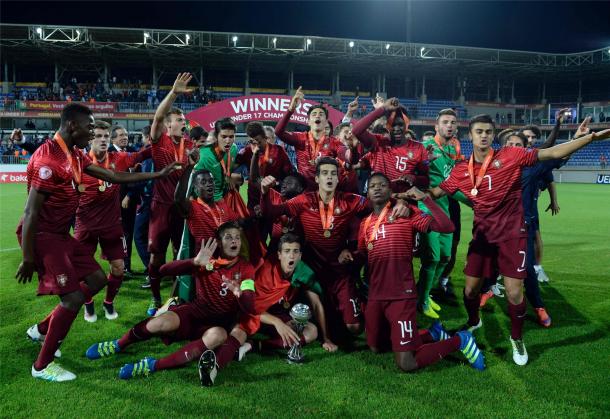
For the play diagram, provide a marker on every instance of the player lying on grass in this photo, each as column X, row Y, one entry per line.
column 225, row 288
column 491, row 180
column 64, row 267
column 390, row 316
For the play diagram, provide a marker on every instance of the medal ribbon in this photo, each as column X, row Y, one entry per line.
column 454, row 142
column 180, row 154
column 96, row 162
column 326, row 217
column 314, row 149
column 226, row 169
column 76, row 168
column 215, row 214
column 221, row 262
column 265, row 159
column 367, row 222
column 482, row 171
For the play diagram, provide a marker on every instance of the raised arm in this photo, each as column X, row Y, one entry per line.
column 563, row 150
column 280, row 129
column 126, row 177
column 28, row 232
column 157, row 128
column 182, row 201
column 440, row 222
column 269, row 209
column 360, row 128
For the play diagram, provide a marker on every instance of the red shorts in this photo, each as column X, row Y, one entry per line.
column 342, row 299
column 61, row 263
column 165, row 225
column 194, row 323
column 111, row 240
column 486, row 260
column 392, row 321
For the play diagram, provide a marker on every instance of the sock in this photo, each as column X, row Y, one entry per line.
column 87, row 293
column 517, row 318
column 472, row 308
column 155, row 281
column 138, row 333
column 226, row 352
column 114, row 283
column 433, row 352
column 184, row 355
column 59, row 326
column 43, row 326
column 425, row 336
column 426, row 280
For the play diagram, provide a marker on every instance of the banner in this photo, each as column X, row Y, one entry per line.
column 603, row 179
column 245, row 109
column 58, row 106
column 13, row 173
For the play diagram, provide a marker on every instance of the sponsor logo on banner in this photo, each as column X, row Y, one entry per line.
column 13, row 177
column 58, row 106
column 603, row 179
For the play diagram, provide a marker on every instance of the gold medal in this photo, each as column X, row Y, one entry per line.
column 327, row 233
column 313, row 163
column 474, row 192
column 82, row 187
column 370, row 246
column 286, row 304
column 390, row 219
column 102, row 188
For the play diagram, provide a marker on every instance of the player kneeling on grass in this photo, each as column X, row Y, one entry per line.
column 225, row 287
column 390, row 317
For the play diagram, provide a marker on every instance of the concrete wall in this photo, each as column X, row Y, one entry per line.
column 584, row 175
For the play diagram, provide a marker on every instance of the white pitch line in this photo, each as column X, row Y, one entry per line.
column 11, row 249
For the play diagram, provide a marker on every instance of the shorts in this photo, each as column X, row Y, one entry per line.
column 486, row 260
column 341, row 299
column 165, row 225
column 61, row 263
column 111, row 240
column 436, row 246
column 392, row 322
column 194, row 323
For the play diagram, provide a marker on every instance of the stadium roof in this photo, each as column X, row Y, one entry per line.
column 92, row 47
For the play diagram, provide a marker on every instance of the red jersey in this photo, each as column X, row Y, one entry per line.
column 203, row 221
column 98, row 210
column 498, row 211
column 273, row 162
column 282, row 224
column 305, row 208
column 165, row 152
column 212, row 296
column 410, row 158
column 307, row 150
column 390, row 267
column 50, row 172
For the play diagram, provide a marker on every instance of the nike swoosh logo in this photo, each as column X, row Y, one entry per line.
column 404, row 343
column 520, row 269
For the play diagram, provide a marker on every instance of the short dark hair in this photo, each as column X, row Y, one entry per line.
column 447, row 111
column 226, row 226
column 99, row 124
column 197, row 132
column 518, row 134
column 146, row 131
column 115, row 128
column 326, row 160
column 288, row 238
column 74, row 111
column 173, row 111
column 299, row 177
column 202, row 172
column 254, row 129
column 483, row 119
column 330, row 125
column 503, row 135
column 223, row 123
column 341, row 126
column 429, row 133
column 379, row 174
column 318, row 107
column 534, row 129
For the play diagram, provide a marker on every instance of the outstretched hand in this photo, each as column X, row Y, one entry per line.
column 352, row 106
column 391, row 104
column 181, row 82
column 170, row 168
column 206, row 252
column 296, row 99
column 378, row 101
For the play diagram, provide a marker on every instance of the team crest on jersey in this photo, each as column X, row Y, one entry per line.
column 112, row 166
column 237, row 276
column 497, row 164
column 45, row 172
column 62, row 280
column 270, row 161
column 410, row 154
column 326, row 145
column 337, row 211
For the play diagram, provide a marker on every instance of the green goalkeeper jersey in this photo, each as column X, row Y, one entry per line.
column 439, row 170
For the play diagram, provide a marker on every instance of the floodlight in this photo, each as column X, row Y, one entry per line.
column 387, row 46
column 188, row 37
column 308, row 41
column 39, row 31
column 77, row 32
column 235, row 38
column 351, row 44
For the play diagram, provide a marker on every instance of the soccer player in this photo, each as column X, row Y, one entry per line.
column 387, row 246
column 401, row 159
column 436, row 246
column 312, row 145
column 225, row 288
column 326, row 217
column 492, row 182
column 98, row 217
column 54, row 186
column 168, row 144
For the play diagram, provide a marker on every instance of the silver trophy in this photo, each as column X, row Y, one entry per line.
column 300, row 314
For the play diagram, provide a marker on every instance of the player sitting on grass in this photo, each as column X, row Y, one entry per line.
column 225, row 287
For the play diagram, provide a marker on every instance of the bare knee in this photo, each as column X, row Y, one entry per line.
column 354, row 328
column 239, row 334
column 73, row 300
column 165, row 323
column 117, row 267
column 405, row 361
column 214, row 337
column 514, row 290
column 310, row 333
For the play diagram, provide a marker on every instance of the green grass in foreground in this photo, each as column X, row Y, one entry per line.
column 567, row 375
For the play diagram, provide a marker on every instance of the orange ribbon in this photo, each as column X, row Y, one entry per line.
column 76, row 168
column 215, row 214
column 481, row 174
column 326, row 217
column 315, row 147
column 96, row 162
column 373, row 236
column 454, row 142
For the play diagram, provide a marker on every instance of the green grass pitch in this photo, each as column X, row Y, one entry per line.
column 567, row 375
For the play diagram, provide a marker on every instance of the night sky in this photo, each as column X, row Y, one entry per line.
column 546, row 26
